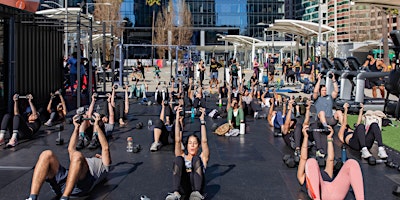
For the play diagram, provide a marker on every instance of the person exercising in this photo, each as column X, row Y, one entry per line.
column 57, row 111
column 374, row 65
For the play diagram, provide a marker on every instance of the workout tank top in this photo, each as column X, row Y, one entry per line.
column 373, row 67
column 346, row 133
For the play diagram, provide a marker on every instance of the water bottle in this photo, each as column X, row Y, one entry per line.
column 149, row 124
column 344, row 154
column 192, row 114
column 129, row 146
column 220, row 103
column 242, row 128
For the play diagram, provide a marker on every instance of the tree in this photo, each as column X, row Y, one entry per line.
column 178, row 22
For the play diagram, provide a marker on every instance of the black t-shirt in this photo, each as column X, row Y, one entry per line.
column 199, row 103
column 214, row 66
column 35, row 126
column 254, row 80
column 307, row 68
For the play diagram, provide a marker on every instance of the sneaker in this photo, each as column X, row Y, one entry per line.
column 365, row 153
column 2, row 141
column 12, row 143
column 255, row 115
column 196, row 196
column 320, row 153
column 173, row 196
column 382, row 153
column 80, row 144
column 155, row 146
column 48, row 123
column 94, row 143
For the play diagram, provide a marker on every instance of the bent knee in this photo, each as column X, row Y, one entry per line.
column 47, row 154
column 77, row 156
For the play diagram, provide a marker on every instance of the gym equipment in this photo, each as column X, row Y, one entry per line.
column 373, row 161
column 320, row 130
column 25, row 97
column 100, row 96
column 137, row 148
column 59, row 140
column 139, row 125
column 390, row 163
column 289, row 161
column 321, row 161
column 115, row 87
column 396, row 190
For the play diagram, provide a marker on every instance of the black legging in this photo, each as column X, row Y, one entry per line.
column 295, row 135
column 201, row 78
column 186, row 182
column 319, row 138
column 17, row 124
column 360, row 139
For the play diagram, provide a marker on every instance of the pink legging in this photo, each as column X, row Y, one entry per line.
column 349, row 174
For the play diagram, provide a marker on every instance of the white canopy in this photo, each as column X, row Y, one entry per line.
column 298, row 27
column 380, row 3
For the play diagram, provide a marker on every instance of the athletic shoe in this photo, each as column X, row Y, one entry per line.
column 297, row 153
column 196, row 196
column 173, row 196
column 382, row 153
column 365, row 153
column 155, row 146
column 320, row 153
column 94, row 143
column 81, row 143
column 2, row 141
column 48, row 123
column 10, row 145
column 255, row 115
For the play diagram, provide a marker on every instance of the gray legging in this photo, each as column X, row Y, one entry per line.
column 17, row 124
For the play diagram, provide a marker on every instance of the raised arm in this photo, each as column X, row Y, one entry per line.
column 16, row 109
column 50, row 102
column 113, row 97
column 74, row 136
column 178, row 134
column 344, row 123
column 331, row 153
column 105, row 152
column 301, row 169
column 360, row 114
column 91, row 106
column 317, row 86
column 286, row 125
column 33, row 108
column 111, row 117
column 335, row 91
column 307, row 116
column 205, row 152
column 126, row 109
column 64, row 106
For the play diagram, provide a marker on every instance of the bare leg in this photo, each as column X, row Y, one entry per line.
column 77, row 171
column 382, row 89
column 321, row 117
column 157, row 135
column 338, row 116
column 374, row 92
column 46, row 168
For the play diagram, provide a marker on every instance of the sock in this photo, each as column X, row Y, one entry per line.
column 82, row 134
column 14, row 135
column 64, row 198
column 33, row 196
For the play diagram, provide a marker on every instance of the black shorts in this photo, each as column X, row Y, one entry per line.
column 58, row 183
column 376, row 82
column 165, row 131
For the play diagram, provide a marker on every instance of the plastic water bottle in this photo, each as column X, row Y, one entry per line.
column 192, row 114
column 344, row 154
column 149, row 124
column 220, row 103
column 129, row 146
column 242, row 128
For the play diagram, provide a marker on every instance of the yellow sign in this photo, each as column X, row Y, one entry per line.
column 152, row 2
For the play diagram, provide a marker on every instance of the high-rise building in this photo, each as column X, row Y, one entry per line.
column 294, row 9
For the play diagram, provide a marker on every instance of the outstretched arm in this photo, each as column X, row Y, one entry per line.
column 111, row 116
column 126, row 110
column 64, row 106
column 50, row 102
column 335, row 91
column 16, row 109
column 178, row 134
column 344, row 123
column 74, row 137
column 205, row 154
column 286, row 125
column 105, row 152
column 33, row 108
column 301, row 170
column 317, row 85
column 91, row 107
column 331, row 153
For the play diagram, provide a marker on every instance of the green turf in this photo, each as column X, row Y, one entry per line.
column 390, row 134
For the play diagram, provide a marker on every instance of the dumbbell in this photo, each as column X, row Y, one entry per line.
column 321, row 161
column 24, row 97
column 59, row 140
column 392, row 164
column 139, row 125
column 115, row 86
column 100, row 96
column 223, row 103
column 81, row 119
column 302, row 103
column 320, row 130
column 136, row 148
column 289, row 161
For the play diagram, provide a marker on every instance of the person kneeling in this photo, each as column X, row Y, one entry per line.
column 188, row 170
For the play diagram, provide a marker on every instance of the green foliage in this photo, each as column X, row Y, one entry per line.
column 390, row 134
